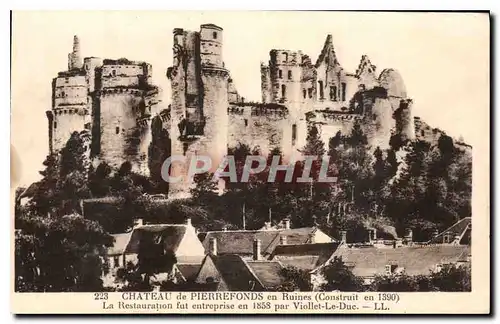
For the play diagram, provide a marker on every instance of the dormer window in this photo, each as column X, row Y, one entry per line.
column 447, row 238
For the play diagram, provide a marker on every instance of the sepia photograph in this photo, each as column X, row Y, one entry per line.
column 316, row 156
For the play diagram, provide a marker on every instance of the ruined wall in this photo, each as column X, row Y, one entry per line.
column 329, row 123
column 259, row 127
column 405, row 125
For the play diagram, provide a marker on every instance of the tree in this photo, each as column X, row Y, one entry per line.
column 295, row 280
column 339, row 277
column 401, row 283
column 452, row 278
column 60, row 254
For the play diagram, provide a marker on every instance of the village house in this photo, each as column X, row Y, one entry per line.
column 240, row 242
column 231, row 272
column 179, row 239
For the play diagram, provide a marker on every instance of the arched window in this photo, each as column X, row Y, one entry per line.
column 283, row 90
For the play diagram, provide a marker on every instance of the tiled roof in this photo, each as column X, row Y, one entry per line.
column 304, row 256
column 188, row 270
column 170, row 234
column 268, row 272
column 460, row 228
column 416, row 260
column 241, row 241
column 120, row 243
column 235, row 273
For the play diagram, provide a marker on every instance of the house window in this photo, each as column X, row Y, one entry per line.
column 321, row 90
column 246, row 122
column 310, row 90
column 283, row 90
column 214, row 35
column 294, row 133
column 343, row 91
column 304, row 93
column 117, row 130
column 280, row 74
column 116, row 261
column 289, row 75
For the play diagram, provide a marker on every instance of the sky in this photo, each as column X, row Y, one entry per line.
column 442, row 57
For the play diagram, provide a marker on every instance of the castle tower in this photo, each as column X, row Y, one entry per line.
column 69, row 112
column 74, row 58
column 124, row 112
column 200, row 101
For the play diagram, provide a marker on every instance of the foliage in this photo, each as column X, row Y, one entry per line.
column 294, row 280
column 339, row 277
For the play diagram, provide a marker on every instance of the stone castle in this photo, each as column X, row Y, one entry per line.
column 114, row 102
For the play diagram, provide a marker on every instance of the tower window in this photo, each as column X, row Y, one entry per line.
column 294, row 133
column 117, row 130
column 283, row 90
column 321, row 90
column 304, row 93
column 214, row 35
column 310, row 90
column 55, row 125
column 63, row 94
column 246, row 122
column 280, row 74
column 333, row 93
column 286, row 56
column 343, row 91
column 113, row 73
column 289, row 75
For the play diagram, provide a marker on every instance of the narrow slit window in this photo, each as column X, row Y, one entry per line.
column 294, row 133
column 55, row 125
column 280, row 74
column 283, row 90
column 246, row 122
column 117, row 130
column 321, row 90
column 343, row 91
column 304, row 93
column 289, row 75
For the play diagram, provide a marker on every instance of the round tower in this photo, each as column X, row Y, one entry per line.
column 123, row 114
column 211, row 45
column 69, row 109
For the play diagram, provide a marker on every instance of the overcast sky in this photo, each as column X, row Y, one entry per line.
column 443, row 58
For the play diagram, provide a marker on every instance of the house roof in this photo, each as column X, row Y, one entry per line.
column 241, row 241
column 416, row 260
column 268, row 272
column 188, row 270
column 170, row 234
column 304, row 256
column 120, row 243
column 460, row 228
column 235, row 273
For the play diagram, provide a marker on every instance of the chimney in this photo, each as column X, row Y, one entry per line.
column 256, row 249
column 212, row 246
column 139, row 222
column 283, row 240
column 343, row 235
column 287, row 223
